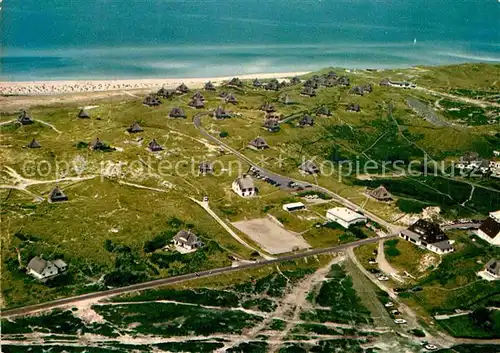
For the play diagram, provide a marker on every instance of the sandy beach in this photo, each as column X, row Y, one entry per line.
column 35, row 88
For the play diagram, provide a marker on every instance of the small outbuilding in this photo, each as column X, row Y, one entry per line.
column 177, row 112
column 220, row 113
column 135, row 128
column 306, row 120
column 205, row 168
column 34, row 144
column 209, row 86
column 83, row 114
column 308, row 91
column 271, row 125
column 197, row 103
column 235, row 82
column 268, row 108
column 182, row 88
column 25, row 118
column 151, row 101
column 198, row 95
column 258, row 143
column 57, row 195
column 380, row 194
column 353, row 107
column 230, row 98
column 308, row 167
column 256, row 83
column 154, row 146
column 323, row 110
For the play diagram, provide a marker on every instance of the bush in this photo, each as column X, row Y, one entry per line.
column 224, row 134
column 418, row 333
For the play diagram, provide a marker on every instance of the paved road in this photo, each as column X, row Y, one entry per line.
column 284, row 180
column 178, row 279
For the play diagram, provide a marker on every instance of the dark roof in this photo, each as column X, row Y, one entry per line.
column 353, row 107
column 257, row 83
column 381, row 193
column 83, row 114
column 273, row 85
column 177, row 112
column 209, row 86
column 469, row 157
column 428, row 231
column 230, row 98
column 183, row 88
column 306, row 120
column 308, row 91
column 24, row 118
column 295, row 80
column 186, row 237
column 97, row 144
column 57, row 195
column 151, row 101
column 259, row 142
column 309, row 167
column 135, row 127
column 323, row 111
column 197, row 95
column 235, row 82
column 267, row 107
column 493, row 266
column 154, row 146
column 34, row 144
column 220, row 113
column 205, row 167
column 166, row 93
column 490, row 227
column 223, row 94
column 197, row 103
column 271, row 124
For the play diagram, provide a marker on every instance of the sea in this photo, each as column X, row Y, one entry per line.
column 118, row 39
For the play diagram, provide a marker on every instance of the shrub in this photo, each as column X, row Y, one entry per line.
column 224, row 134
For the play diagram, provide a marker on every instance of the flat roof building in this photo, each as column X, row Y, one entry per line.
column 344, row 216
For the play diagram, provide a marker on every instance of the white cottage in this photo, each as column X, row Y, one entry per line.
column 244, row 186
column 43, row 270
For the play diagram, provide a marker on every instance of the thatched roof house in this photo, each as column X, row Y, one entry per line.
column 24, row 118
column 323, row 110
column 230, row 98
column 256, row 83
column 353, row 107
column 209, row 86
column 186, row 239
column 197, row 103
column 205, row 168
column 357, row 90
column 135, row 128
column 271, row 125
column 367, row 87
column 83, row 114
column 306, row 120
column 380, row 194
column 182, row 88
column 259, row 143
column 272, row 85
column 236, row 82
column 57, row 195
column 295, row 80
column 177, row 112
column 34, row 144
column 165, row 93
column 151, row 101
column 198, row 95
column 97, row 144
column 220, row 113
column 309, row 167
column 344, row 81
column 287, row 100
column 223, row 94
column 267, row 107
column 154, row 146
column 308, row 91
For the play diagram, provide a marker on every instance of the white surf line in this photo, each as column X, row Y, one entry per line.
column 205, row 206
column 141, row 186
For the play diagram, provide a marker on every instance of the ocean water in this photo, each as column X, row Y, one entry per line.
column 85, row 39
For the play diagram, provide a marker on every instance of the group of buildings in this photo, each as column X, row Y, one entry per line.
column 471, row 162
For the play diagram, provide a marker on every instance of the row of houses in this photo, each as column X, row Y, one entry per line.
column 471, row 161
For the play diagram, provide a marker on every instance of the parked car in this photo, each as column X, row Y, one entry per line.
column 395, row 312
column 389, row 305
column 400, row 321
column 372, row 261
column 383, row 278
column 430, row 347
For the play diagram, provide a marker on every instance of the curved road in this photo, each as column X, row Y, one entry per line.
column 177, row 279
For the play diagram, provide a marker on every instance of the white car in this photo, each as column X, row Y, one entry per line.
column 383, row 278
column 389, row 305
column 400, row 321
column 430, row 347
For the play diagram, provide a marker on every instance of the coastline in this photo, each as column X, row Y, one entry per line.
column 36, row 88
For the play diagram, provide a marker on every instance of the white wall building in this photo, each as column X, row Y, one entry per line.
column 344, row 216
column 295, row 206
column 43, row 270
column 490, row 229
column 244, row 186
